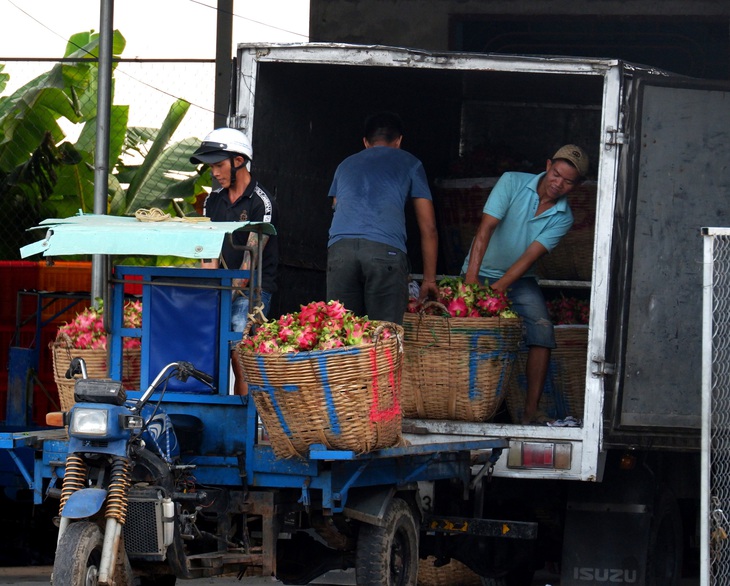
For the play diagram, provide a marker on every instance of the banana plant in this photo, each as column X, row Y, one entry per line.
column 165, row 173
column 43, row 174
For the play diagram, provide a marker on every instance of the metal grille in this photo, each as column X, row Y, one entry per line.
column 142, row 531
column 716, row 410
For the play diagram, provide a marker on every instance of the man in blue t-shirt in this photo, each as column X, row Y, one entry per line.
column 367, row 264
column 524, row 218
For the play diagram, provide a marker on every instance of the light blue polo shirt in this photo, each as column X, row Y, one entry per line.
column 513, row 201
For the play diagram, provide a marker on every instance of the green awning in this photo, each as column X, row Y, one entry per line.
column 113, row 235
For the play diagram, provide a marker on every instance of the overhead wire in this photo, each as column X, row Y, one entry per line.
column 36, row 20
column 251, row 20
column 151, row 86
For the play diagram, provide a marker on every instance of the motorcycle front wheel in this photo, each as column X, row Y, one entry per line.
column 78, row 556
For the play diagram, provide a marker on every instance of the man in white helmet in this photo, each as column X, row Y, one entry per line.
column 228, row 153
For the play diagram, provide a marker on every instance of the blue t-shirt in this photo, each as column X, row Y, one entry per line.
column 513, row 201
column 371, row 188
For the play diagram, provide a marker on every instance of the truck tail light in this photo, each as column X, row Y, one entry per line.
column 533, row 454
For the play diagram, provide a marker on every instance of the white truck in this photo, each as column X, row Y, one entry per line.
column 617, row 498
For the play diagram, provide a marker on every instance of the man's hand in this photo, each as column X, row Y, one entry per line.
column 253, row 242
column 238, row 286
column 479, row 245
column 429, row 290
column 426, row 218
column 499, row 286
column 246, row 265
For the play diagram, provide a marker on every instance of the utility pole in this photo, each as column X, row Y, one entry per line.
column 224, row 43
column 101, row 154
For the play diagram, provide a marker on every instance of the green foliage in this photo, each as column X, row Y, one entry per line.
column 4, row 77
column 43, row 174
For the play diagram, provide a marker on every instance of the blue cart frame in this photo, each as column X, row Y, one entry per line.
column 230, row 447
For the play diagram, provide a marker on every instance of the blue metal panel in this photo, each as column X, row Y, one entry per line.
column 21, row 361
column 16, row 438
column 223, row 338
column 18, row 466
column 223, row 419
column 261, row 459
column 184, row 324
column 320, row 452
column 54, row 452
column 212, row 470
column 335, row 479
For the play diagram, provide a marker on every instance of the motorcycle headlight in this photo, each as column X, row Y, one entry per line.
column 89, row 421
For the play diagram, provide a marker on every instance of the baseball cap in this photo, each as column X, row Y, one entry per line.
column 575, row 155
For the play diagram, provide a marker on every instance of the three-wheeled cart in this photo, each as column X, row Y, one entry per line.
column 236, row 506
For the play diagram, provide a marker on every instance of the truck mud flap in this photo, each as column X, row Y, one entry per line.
column 605, row 544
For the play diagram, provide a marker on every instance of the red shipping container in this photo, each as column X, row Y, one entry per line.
column 66, row 276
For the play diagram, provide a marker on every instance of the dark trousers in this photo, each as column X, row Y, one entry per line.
column 368, row 278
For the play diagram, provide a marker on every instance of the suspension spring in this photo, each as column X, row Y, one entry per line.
column 74, row 478
column 118, row 499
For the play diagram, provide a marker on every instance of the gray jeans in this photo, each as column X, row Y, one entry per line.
column 368, row 278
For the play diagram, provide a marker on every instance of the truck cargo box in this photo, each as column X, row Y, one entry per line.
column 658, row 145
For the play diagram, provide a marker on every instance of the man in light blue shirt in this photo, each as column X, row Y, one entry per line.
column 524, row 218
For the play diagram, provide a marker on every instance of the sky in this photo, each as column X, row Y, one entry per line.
column 152, row 28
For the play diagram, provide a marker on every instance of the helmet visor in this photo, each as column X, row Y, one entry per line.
column 208, row 155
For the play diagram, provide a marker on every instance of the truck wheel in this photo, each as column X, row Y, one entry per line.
column 388, row 555
column 78, row 556
column 664, row 558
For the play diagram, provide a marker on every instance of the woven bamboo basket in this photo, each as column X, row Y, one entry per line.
column 457, row 368
column 96, row 367
column 452, row 574
column 345, row 398
column 564, row 391
column 572, row 258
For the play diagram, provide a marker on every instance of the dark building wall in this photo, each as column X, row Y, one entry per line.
column 691, row 38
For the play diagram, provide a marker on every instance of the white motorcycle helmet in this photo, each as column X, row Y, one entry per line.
column 221, row 144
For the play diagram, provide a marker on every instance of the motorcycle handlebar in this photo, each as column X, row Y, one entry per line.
column 77, row 366
column 184, row 370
